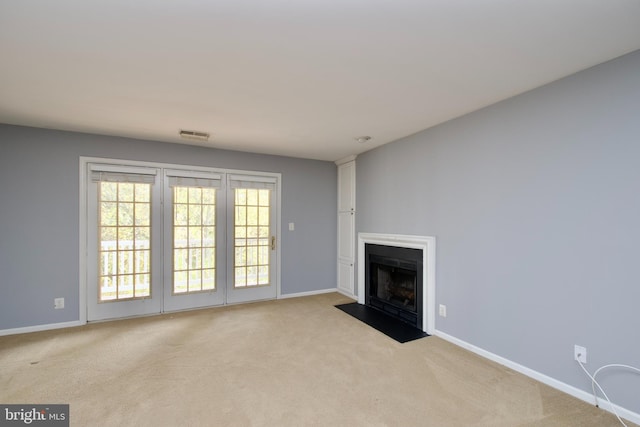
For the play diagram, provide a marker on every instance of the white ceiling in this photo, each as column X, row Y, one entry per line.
column 300, row 78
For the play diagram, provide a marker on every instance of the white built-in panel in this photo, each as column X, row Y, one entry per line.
column 347, row 187
column 345, row 276
column 346, row 230
column 346, row 225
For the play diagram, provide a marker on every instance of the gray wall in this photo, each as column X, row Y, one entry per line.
column 535, row 203
column 39, row 215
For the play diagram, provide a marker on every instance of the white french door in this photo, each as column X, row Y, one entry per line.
column 162, row 238
column 251, row 227
column 122, row 217
column 194, row 249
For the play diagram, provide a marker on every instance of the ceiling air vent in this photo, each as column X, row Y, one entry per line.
column 194, row 134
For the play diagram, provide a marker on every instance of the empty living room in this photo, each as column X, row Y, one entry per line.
column 277, row 213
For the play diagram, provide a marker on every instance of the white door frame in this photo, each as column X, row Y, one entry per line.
column 128, row 307
column 253, row 293
column 84, row 181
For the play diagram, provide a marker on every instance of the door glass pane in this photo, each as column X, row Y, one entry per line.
column 194, row 221
column 124, row 249
column 251, row 237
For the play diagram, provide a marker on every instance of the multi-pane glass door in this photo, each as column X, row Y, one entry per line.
column 193, row 256
column 251, row 208
column 162, row 239
column 123, row 215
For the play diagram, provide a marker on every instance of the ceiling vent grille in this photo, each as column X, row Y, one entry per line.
column 194, row 134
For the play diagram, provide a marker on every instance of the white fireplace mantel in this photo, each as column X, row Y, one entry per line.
column 428, row 246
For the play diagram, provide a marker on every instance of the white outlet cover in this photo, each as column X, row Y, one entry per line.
column 580, row 354
column 442, row 310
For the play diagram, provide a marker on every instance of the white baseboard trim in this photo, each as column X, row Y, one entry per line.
column 308, row 293
column 346, row 294
column 39, row 328
column 551, row 382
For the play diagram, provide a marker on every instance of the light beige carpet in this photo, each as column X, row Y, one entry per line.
column 293, row 362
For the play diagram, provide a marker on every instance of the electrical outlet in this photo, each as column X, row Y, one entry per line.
column 580, row 354
column 442, row 310
column 292, row 226
column 58, row 303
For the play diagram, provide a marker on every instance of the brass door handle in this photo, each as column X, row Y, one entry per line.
column 273, row 243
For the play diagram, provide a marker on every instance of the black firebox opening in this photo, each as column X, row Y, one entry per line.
column 393, row 282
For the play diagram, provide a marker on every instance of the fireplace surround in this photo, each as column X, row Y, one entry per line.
column 401, row 262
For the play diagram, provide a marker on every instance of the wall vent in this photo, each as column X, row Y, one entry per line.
column 194, row 134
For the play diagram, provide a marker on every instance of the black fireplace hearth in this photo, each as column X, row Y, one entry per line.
column 390, row 326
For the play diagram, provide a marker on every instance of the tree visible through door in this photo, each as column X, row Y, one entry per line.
column 252, row 237
column 125, row 241
column 194, row 239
